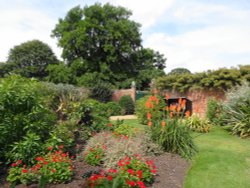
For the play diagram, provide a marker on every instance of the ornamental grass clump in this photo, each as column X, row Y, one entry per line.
column 237, row 110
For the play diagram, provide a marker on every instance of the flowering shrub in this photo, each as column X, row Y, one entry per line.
column 94, row 156
column 56, row 167
column 131, row 172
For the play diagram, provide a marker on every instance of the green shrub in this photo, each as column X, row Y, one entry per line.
column 91, row 114
column 101, row 92
column 197, row 124
column 26, row 149
column 156, row 112
column 62, row 134
column 214, row 112
column 237, row 110
column 127, row 104
column 173, row 138
column 113, row 108
column 22, row 110
column 128, row 130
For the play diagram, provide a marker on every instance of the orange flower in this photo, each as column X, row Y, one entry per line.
column 187, row 113
column 148, row 115
column 150, row 124
column 163, row 124
column 178, row 109
column 183, row 104
column 167, row 97
column 180, row 101
column 171, row 114
column 167, row 108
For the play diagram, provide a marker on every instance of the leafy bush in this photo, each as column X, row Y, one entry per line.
column 173, row 138
column 195, row 123
column 26, row 149
column 214, row 112
column 101, row 92
column 64, row 98
column 127, row 130
column 143, row 108
column 91, row 114
column 127, row 104
column 62, row 134
column 22, row 110
column 113, row 108
column 237, row 110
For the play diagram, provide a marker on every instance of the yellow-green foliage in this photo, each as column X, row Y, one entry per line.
column 198, row 124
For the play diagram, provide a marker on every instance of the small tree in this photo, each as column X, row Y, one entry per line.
column 30, row 59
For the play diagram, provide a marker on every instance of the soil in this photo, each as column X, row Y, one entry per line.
column 171, row 170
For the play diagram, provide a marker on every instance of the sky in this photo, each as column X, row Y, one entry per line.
column 198, row 35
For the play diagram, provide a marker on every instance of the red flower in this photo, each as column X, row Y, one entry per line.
column 13, row 165
column 139, row 173
column 45, row 162
column 24, row 170
column 131, row 183
column 39, row 159
column 121, row 163
column 61, row 146
column 38, row 166
column 110, row 178
column 19, row 162
column 141, row 184
column 50, row 148
column 130, row 171
column 153, row 171
column 109, row 125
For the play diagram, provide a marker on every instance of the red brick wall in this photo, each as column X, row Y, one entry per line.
column 119, row 93
column 199, row 99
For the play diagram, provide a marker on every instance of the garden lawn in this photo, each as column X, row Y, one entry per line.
column 223, row 161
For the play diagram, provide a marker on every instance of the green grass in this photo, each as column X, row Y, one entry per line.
column 223, row 161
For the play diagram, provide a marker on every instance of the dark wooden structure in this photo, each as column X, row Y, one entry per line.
column 175, row 102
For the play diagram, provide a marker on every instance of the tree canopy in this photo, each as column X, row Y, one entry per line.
column 179, row 71
column 106, row 45
column 30, row 59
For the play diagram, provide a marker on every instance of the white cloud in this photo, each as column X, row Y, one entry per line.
column 203, row 49
column 147, row 13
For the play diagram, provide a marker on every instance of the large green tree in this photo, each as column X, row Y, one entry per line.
column 30, row 59
column 107, row 43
